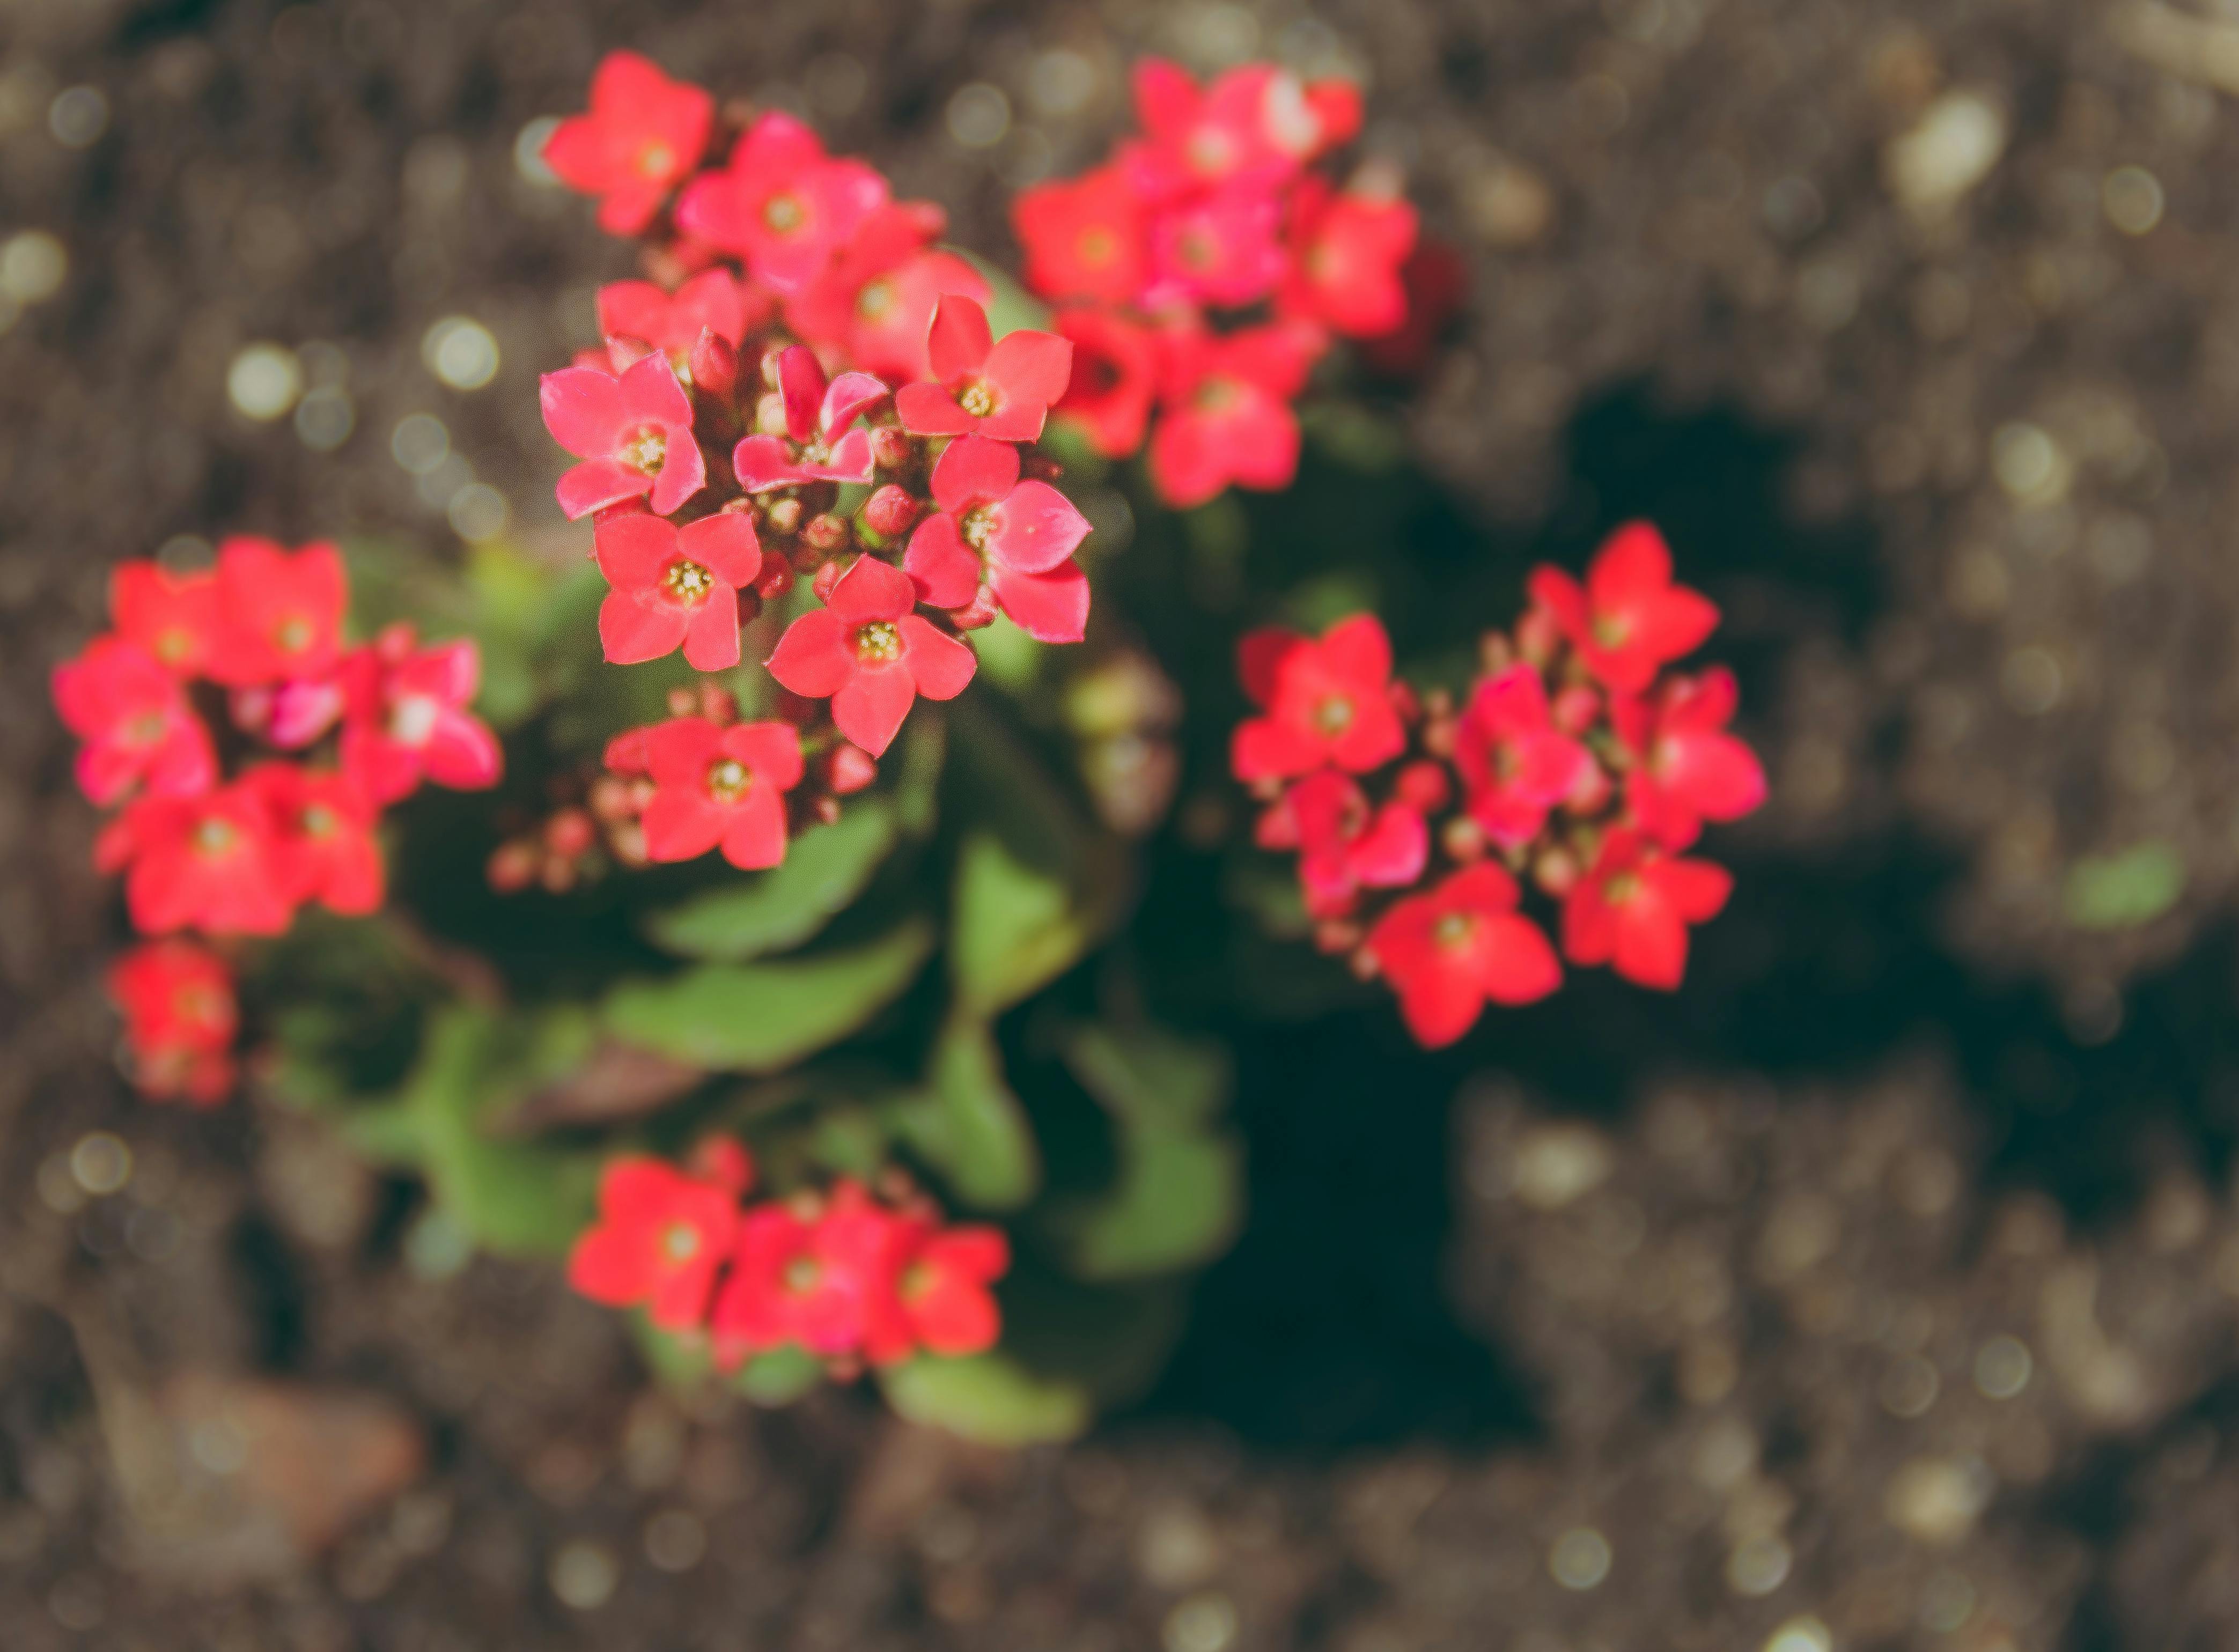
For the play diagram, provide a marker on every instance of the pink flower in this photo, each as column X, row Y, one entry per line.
column 1228, row 415
column 1346, row 252
column 634, row 434
column 714, row 301
column 1222, row 249
column 872, row 654
column 1687, row 768
column 408, row 718
column 674, row 586
column 1000, row 389
column 1326, row 703
column 824, row 1283
column 781, row 203
column 173, row 617
column 323, row 848
column 1251, row 127
column 207, row 863
column 1629, row 620
column 1451, row 951
column 1019, row 536
column 718, row 786
column 1632, row 908
column 1344, row 845
column 1084, row 237
column 1514, row 763
column 137, row 725
column 642, row 138
column 945, row 1284
column 281, row 613
column 661, row 1239
column 819, row 418
column 179, row 1018
column 875, row 301
column 1115, row 369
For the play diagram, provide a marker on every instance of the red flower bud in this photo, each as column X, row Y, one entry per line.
column 980, row 611
column 1423, row 786
column 626, row 842
column 827, row 577
column 850, row 769
column 1538, row 634
column 776, row 579
column 718, row 706
column 772, row 377
column 1336, row 935
column 570, row 833
column 683, row 702
column 1406, row 702
column 825, row 532
column 1555, row 869
column 610, row 799
column 1576, row 708
column 1591, row 792
column 715, row 364
column 784, row 515
column 826, row 810
column 1463, row 840
column 890, row 511
column 513, row 867
column 1039, row 467
column 891, row 446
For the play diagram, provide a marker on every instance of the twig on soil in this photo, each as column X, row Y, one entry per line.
column 2177, row 43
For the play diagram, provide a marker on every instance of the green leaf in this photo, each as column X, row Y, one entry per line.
column 780, row 1377
column 1149, row 1074
column 1009, row 658
column 677, row 1362
column 824, row 870
column 2122, row 891
column 762, row 1018
column 968, row 1123
column 1016, row 926
column 989, row 1398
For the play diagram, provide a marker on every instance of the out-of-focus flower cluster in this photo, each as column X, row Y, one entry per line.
column 850, row 1276
column 1207, row 264
column 249, row 752
column 1578, row 765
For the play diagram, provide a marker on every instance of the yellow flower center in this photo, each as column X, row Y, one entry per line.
column 977, row 399
column 784, row 213
column 1335, row 715
column 878, row 643
column 978, row 527
column 215, row 838
column 1452, row 930
column 728, row 780
column 655, row 160
column 294, row 633
column 1097, row 245
column 1621, row 888
column 802, row 1275
column 680, row 1242
column 645, row 449
column 318, row 821
column 688, row 581
column 875, row 300
column 175, row 645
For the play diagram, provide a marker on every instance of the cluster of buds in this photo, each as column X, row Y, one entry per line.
column 249, row 656
column 1577, row 765
column 1203, row 270
column 851, row 1277
column 810, row 391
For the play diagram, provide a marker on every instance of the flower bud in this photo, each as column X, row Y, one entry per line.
column 1556, row 871
column 890, row 511
column 1463, row 839
column 626, row 842
column 1576, row 708
column 772, row 376
column 1495, row 652
column 1334, row 935
column 718, row 705
column 769, row 414
column 890, row 445
column 774, row 580
column 610, row 799
column 1440, row 735
column 1538, row 636
column 825, row 532
column 784, row 515
column 683, row 702
column 828, row 575
column 570, row 833
column 826, row 810
column 1364, row 965
column 750, row 607
column 980, row 611
column 512, row 866
column 1591, row 792
column 724, row 1161
column 558, row 875
column 714, row 364
column 1423, row 786
column 1039, row 467
column 850, row 769
column 1406, row 702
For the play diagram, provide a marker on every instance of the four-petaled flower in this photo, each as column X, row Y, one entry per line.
column 1347, row 249
column 820, row 1281
column 826, row 443
column 137, row 725
column 1686, row 768
column 1326, row 702
column 1228, row 415
column 1344, row 845
column 634, row 434
column 1628, row 620
column 1515, row 764
column 1084, row 237
column 180, row 1015
column 322, row 847
column 674, row 586
column 1019, row 536
column 718, row 786
column 872, row 654
column 1224, row 249
column 944, row 1288
column 661, row 1238
column 408, row 718
column 1632, row 908
column 714, row 301
column 877, row 296
column 206, row 863
column 281, row 613
column 642, row 137
column 1001, row 389
column 781, row 203
column 1449, row 952
column 174, row 617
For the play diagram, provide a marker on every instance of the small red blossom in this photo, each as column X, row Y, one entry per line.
column 1346, row 252
column 715, row 301
column 1345, row 845
column 826, row 444
column 823, row 1282
column 661, row 1238
column 1227, row 413
column 1115, row 378
column 1085, row 238
column 781, row 203
column 720, row 786
column 1251, row 127
column 289, row 715
column 1632, row 908
column 875, row 300
column 1017, row 536
column 139, row 731
column 634, row 434
column 944, row 1287
column 175, row 617
column 323, row 847
column 1000, row 388
column 1687, row 769
column 180, row 1018
column 872, row 654
column 1436, row 280
column 1628, row 620
column 1514, row 763
column 1461, row 945
column 675, row 586
column 281, row 611
column 1225, row 249
column 408, row 718
column 642, row 137
column 209, row 863
column 1324, row 702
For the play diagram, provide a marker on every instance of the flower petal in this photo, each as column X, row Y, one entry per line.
column 1049, row 608
column 633, row 629
column 959, row 340
column 871, row 590
column 940, row 665
column 871, row 708
column 928, row 410
column 1036, row 528
column 726, row 545
column 597, row 483
column 812, row 658
column 582, row 409
column 974, row 471
column 943, row 568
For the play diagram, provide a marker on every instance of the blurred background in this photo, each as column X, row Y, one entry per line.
column 1881, row 1291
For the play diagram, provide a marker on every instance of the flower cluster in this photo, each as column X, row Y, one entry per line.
column 812, row 391
column 847, row 1276
column 1578, row 764
column 249, row 656
column 1206, row 265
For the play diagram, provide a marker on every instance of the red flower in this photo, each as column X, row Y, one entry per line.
column 642, row 138
column 1347, row 251
column 180, row 1018
column 1222, row 249
column 674, row 586
column 825, row 1282
column 1435, row 279
column 720, row 786
column 715, row 301
column 633, row 433
column 137, row 725
column 1084, row 237
column 208, row 863
column 408, row 718
column 1251, row 127
column 875, row 300
column 1514, row 763
column 872, row 654
column 1344, row 845
column 943, row 1285
column 1629, row 620
column 1687, row 768
column 1019, row 536
column 282, row 613
column 1450, row 951
column 1326, row 702
column 661, row 1239
column 323, row 847
column 289, row 715
column 999, row 388
column 781, row 203
column 1115, row 367
column 1228, row 415
column 819, row 418
column 1631, row 909
column 173, row 617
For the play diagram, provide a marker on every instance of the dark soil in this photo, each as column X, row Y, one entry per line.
column 1879, row 1290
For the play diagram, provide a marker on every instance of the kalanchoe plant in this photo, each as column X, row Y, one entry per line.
column 774, row 984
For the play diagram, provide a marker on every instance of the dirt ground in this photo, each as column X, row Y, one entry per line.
column 1881, row 1291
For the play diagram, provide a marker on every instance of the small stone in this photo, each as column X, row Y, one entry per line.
column 1937, row 1500
column 1947, row 152
column 2002, row 1368
column 1580, row 1559
column 584, row 1575
column 1758, row 1566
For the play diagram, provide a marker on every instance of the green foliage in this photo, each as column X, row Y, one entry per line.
column 780, row 1377
column 991, row 1398
column 968, row 1123
column 2125, row 890
column 824, row 870
column 761, row 1017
